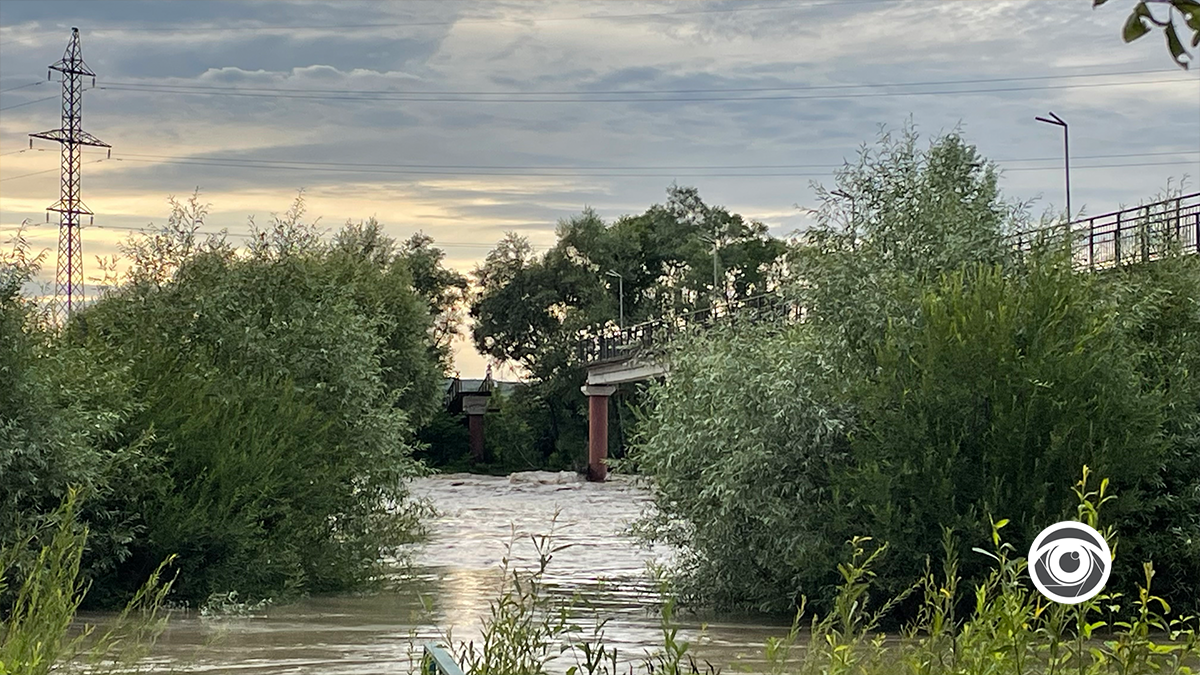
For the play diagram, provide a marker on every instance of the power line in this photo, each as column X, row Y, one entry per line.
column 31, row 84
column 533, row 174
column 38, row 100
column 485, row 20
column 580, row 167
column 615, row 167
column 610, row 92
column 684, row 99
column 749, row 171
column 35, row 173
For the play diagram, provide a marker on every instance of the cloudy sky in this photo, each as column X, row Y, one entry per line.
column 465, row 120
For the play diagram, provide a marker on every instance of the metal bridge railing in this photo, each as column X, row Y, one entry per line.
column 1133, row 235
column 619, row 344
column 456, row 389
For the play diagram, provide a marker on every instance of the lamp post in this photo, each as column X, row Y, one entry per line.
column 621, row 294
column 1058, row 122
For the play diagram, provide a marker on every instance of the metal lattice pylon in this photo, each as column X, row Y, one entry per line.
column 68, row 291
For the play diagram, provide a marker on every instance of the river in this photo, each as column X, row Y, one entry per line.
column 452, row 577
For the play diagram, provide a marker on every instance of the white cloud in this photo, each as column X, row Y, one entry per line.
column 520, row 47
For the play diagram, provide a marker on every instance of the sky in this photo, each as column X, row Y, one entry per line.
column 465, row 120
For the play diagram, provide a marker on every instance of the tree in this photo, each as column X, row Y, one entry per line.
column 900, row 216
column 444, row 290
column 277, row 390
column 533, row 309
column 1142, row 19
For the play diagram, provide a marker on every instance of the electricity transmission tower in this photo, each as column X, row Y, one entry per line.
column 68, row 291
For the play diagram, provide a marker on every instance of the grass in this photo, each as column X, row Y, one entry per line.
column 999, row 627
column 36, row 636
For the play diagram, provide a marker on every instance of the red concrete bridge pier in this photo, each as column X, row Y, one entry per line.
column 598, row 395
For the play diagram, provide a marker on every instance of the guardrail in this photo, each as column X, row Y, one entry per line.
column 619, row 344
column 1139, row 234
column 456, row 389
column 1133, row 235
column 437, row 660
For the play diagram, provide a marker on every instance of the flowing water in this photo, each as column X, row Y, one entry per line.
column 455, row 573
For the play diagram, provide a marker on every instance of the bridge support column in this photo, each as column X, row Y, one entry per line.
column 598, row 429
column 475, row 407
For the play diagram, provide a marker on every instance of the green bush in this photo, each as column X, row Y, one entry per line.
column 279, row 386
column 939, row 380
column 249, row 410
column 740, row 442
column 1003, row 385
column 38, row 630
column 62, row 409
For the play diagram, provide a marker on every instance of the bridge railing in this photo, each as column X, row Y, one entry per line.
column 1138, row 234
column 619, row 344
column 1133, row 235
column 456, row 389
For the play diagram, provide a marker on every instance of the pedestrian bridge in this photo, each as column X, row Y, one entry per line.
column 618, row 355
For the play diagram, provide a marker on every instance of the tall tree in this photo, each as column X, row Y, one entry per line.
column 532, row 309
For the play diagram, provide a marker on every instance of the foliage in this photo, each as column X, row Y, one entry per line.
column 939, row 379
column 443, row 289
column 510, row 436
column 1006, row 628
column 1003, row 384
column 279, row 387
column 529, row 626
column 36, row 632
column 1142, row 18
column 900, row 216
column 61, row 411
column 532, row 308
column 993, row 626
column 444, row 442
column 526, row 624
column 1162, row 318
column 251, row 411
column 739, row 442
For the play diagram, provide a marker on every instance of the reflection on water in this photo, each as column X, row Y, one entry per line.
column 456, row 572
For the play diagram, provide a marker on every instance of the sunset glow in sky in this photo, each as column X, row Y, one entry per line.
column 468, row 119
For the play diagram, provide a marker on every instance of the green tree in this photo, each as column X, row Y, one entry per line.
column 62, row 410
column 1142, row 20
column 532, row 309
column 940, row 380
column 280, row 385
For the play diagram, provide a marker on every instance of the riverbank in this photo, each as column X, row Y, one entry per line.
column 457, row 569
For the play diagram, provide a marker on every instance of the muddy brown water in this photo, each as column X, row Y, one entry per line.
column 453, row 576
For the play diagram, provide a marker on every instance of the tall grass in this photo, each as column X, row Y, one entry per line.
column 1000, row 626
column 36, row 635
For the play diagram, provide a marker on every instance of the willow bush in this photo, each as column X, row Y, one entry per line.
column 940, row 380
column 280, row 385
column 248, row 410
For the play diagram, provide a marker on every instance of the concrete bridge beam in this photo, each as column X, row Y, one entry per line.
column 598, row 429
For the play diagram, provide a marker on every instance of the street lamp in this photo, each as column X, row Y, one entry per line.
column 621, row 294
column 1057, row 121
